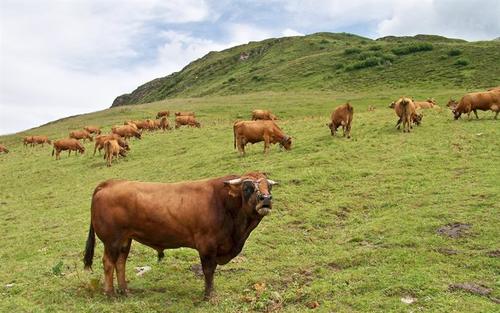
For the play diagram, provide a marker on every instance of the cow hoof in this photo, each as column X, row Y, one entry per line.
column 110, row 294
column 124, row 292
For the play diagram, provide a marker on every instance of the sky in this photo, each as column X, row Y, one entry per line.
column 61, row 58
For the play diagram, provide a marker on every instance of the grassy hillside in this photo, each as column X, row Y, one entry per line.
column 331, row 62
column 354, row 226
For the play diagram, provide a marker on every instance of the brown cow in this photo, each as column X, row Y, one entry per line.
column 213, row 216
column 101, row 139
column 405, row 110
column 256, row 131
column 263, row 115
column 427, row 104
column 28, row 140
column 186, row 120
column 93, row 129
column 164, row 124
column 146, row 124
column 3, row 149
column 162, row 114
column 37, row 140
column 131, row 123
column 342, row 116
column 80, row 134
column 69, row 144
column 184, row 114
column 126, row 131
column 112, row 149
column 471, row 102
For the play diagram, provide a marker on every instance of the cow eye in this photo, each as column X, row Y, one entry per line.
column 248, row 189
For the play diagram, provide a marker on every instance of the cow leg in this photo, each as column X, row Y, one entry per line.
column 208, row 264
column 69, row 152
column 496, row 115
column 475, row 112
column 120, row 267
column 266, row 145
column 109, row 263
column 398, row 124
column 348, row 131
column 241, row 147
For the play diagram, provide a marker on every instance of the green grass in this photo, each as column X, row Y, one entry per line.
column 353, row 226
column 330, row 62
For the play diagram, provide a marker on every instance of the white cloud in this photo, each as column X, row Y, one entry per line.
column 288, row 32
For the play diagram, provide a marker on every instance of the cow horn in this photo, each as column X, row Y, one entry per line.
column 271, row 182
column 233, row 181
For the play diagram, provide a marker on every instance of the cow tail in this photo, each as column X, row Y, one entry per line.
column 52, row 151
column 89, row 248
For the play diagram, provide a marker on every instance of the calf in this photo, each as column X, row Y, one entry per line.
column 256, row 131
column 427, row 104
column 186, row 120
column 112, row 149
column 342, row 116
column 263, row 115
column 80, row 134
column 69, row 144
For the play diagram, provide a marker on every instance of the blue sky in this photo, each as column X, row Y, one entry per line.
column 60, row 58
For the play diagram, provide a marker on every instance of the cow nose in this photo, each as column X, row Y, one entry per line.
column 266, row 199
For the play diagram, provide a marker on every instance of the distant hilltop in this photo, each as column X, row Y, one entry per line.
column 331, row 62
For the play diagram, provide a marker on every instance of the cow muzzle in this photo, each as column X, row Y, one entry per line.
column 264, row 205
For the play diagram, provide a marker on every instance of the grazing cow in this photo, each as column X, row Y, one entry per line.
column 80, row 134
column 186, row 120
column 146, row 124
column 112, row 149
column 3, row 149
column 263, row 115
column 131, row 123
column 93, row 129
column 162, row 114
column 69, row 144
column 256, row 131
column 213, row 216
column 164, row 124
column 40, row 140
column 342, row 116
column 126, row 131
column 405, row 110
column 184, row 114
column 427, row 104
column 28, row 140
column 471, row 102
column 101, row 139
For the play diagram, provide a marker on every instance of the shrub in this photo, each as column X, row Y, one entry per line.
column 461, row 62
column 454, row 52
column 338, row 66
column 375, row 48
column 349, row 51
column 412, row 48
column 231, row 80
column 323, row 41
column 369, row 62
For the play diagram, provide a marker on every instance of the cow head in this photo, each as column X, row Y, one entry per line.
column 417, row 118
column 286, row 142
column 332, row 128
column 255, row 191
column 392, row 105
column 456, row 113
column 49, row 141
column 81, row 149
column 452, row 104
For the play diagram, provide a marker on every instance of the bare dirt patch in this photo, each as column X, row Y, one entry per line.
column 447, row 251
column 494, row 254
column 454, row 230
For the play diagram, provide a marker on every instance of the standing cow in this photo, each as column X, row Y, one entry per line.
column 214, row 216
column 69, row 144
column 162, row 114
column 471, row 102
column 126, row 131
column 112, row 150
column 40, row 140
column 80, row 134
column 405, row 110
column 342, row 116
column 256, row 131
